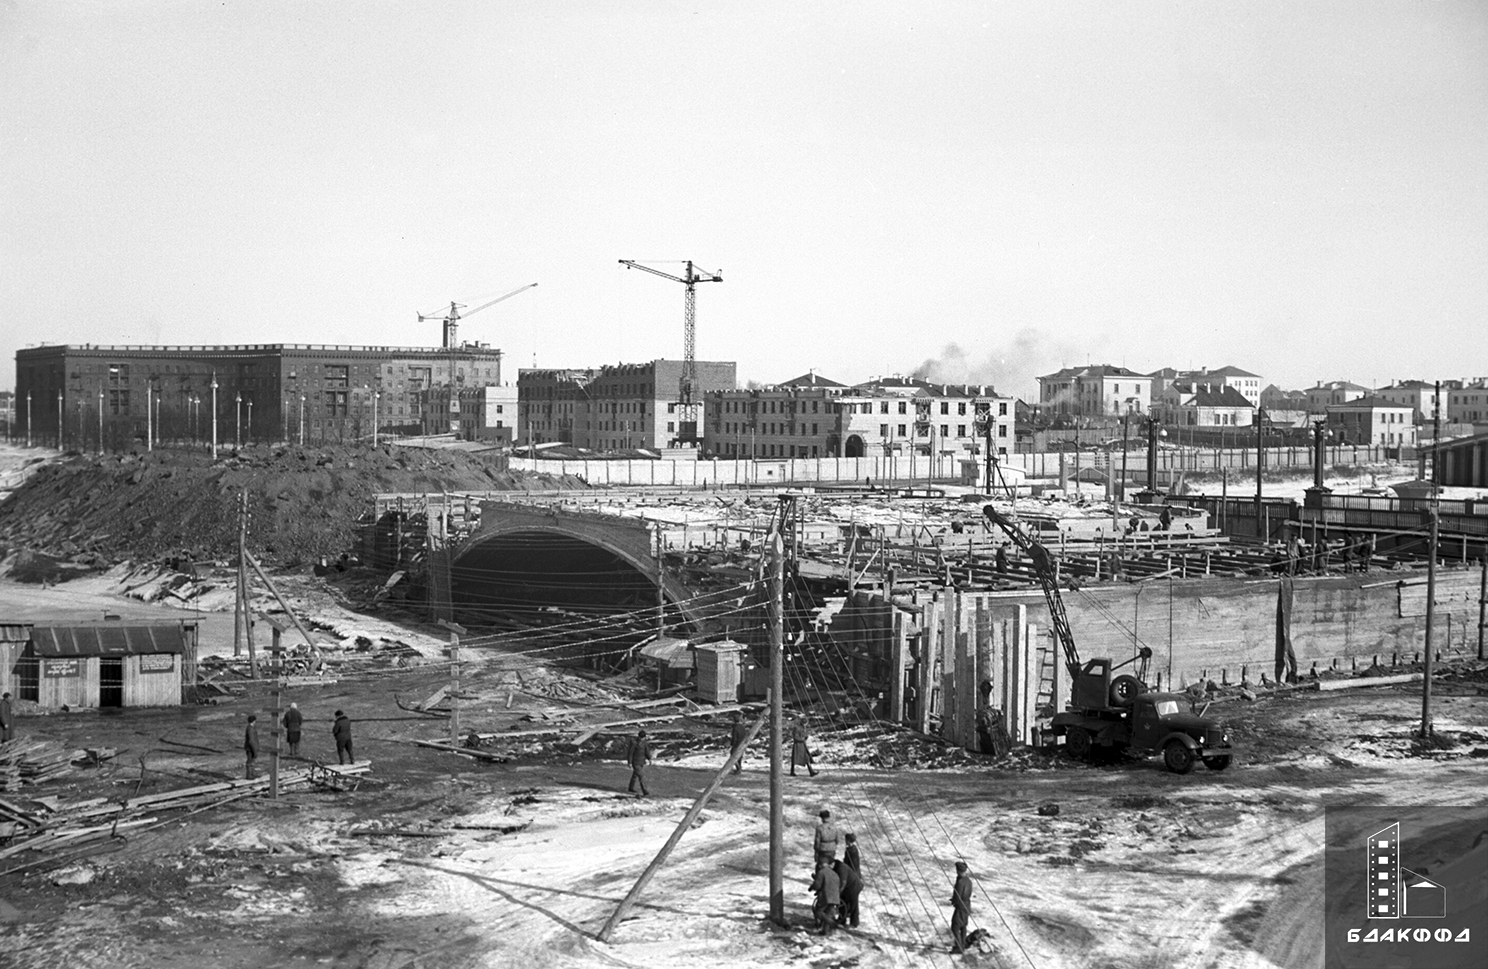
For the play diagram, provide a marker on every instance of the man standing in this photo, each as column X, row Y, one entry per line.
column 640, row 756
column 827, row 837
column 960, row 907
column 293, row 721
column 250, row 744
column 850, row 853
column 7, row 719
column 828, row 889
column 852, row 885
column 341, row 730
column 800, row 753
column 738, row 732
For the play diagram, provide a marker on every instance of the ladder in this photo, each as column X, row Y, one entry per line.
column 1048, row 683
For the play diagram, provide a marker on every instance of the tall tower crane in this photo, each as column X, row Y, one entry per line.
column 451, row 320
column 687, row 397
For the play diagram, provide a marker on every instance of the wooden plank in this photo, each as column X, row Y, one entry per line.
column 464, row 751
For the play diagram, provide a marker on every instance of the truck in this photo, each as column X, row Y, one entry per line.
column 1110, row 711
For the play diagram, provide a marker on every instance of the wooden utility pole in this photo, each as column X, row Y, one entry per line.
column 1482, row 605
column 681, row 829
column 456, row 631
column 240, row 607
column 258, row 569
column 277, row 655
column 777, row 686
column 1431, row 549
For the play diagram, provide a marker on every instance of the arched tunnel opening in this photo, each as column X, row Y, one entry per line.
column 522, row 580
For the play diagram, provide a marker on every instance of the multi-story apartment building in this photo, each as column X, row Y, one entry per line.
column 812, row 416
column 1247, row 384
column 263, row 392
column 1420, row 396
column 1095, row 391
column 614, row 407
column 1331, row 394
column 1467, row 402
column 1200, row 405
column 1373, row 420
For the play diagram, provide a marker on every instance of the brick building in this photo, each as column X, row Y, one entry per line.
column 1373, row 420
column 265, row 392
column 614, row 407
column 1094, row 391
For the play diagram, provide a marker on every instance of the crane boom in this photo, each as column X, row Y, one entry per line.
column 451, row 320
column 1043, row 566
column 687, row 385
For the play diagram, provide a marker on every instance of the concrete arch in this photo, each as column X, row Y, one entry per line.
column 630, row 540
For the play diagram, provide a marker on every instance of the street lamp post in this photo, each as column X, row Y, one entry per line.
column 149, row 417
column 302, row 420
column 28, row 418
column 59, row 420
column 250, row 420
column 238, row 416
column 100, row 420
column 1260, row 466
column 375, row 395
column 214, row 415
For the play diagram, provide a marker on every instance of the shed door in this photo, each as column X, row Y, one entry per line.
column 110, row 682
column 27, row 673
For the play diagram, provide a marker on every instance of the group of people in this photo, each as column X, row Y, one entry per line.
column 837, row 882
column 293, row 722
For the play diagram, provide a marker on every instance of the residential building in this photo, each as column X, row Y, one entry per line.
column 1203, row 405
column 614, row 407
column 1467, row 403
column 263, row 392
column 1094, row 391
column 1326, row 395
column 1419, row 395
column 1243, row 381
column 487, row 414
column 1373, row 420
column 1273, row 398
column 811, row 416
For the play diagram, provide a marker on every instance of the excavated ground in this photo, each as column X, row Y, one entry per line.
column 80, row 512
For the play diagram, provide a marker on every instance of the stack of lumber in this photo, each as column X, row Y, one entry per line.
column 47, row 826
column 31, row 762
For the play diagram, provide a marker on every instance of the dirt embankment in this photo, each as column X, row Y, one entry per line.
column 303, row 502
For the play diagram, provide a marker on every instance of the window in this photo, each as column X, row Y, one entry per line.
column 336, row 374
column 883, row 430
column 945, row 407
column 960, row 430
column 902, row 431
column 883, row 407
column 118, row 374
column 336, row 403
column 1002, row 410
column 961, row 408
column 1002, row 430
column 671, row 426
column 945, row 430
column 118, row 402
column 813, row 430
column 903, row 408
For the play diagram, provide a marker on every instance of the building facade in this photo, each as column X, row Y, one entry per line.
column 1373, row 420
column 617, row 407
column 1418, row 395
column 1101, row 390
column 1245, row 383
column 815, row 417
column 97, row 396
column 1467, row 403
column 1331, row 394
column 1191, row 405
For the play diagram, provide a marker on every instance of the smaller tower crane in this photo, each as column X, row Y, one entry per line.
column 451, row 320
column 688, row 400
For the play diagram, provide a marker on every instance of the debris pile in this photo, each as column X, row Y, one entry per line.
column 33, row 761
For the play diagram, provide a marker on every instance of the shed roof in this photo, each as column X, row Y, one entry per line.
column 108, row 639
column 15, row 632
column 670, row 652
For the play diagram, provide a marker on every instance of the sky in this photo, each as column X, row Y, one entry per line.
column 974, row 192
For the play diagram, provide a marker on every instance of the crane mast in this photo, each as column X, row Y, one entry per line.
column 687, row 395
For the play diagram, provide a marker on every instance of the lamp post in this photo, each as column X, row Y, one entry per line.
column 149, row 417
column 238, row 416
column 375, row 395
column 59, row 420
column 1260, row 466
column 250, row 420
column 100, row 420
column 302, row 420
column 1154, row 431
column 214, row 415
column 28, row 418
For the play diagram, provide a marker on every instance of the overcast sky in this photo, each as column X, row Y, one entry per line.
column 1294, row 188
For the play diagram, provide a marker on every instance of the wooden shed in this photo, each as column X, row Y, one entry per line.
column 102, row 664
column 720, row 671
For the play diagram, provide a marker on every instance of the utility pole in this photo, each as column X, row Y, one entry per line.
column 277, row 654
column 1260, row 465
column 1482, row 605
column 777, row 687
column 660, row 585
column 456, row 631
column 240, row 607
column 1431, row 548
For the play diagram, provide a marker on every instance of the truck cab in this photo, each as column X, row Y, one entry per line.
column 1163, row 722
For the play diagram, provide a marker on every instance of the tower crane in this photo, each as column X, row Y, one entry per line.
column 687, row 398
column 451, row 320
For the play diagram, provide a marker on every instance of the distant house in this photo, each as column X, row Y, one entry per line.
column 1095, row 391
column 1373, row 420
column 1420, row 395
column 1188, row 405
column 1467, row 403
column 1243, row 381
column 1326, row 395
column 1273, row 398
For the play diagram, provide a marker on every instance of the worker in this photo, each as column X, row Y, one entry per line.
column 738, row 734
column 250, row 745
column 910, row 709
column 828, row 835
column 341, row 730
column 850, row 853
column 985, row 719
column 960, row 907
column 640, row 755
column 293, row 721
column 800, row 753
column 828, row 889
column 851, row 885
column 7, row 719
column 1166, row 518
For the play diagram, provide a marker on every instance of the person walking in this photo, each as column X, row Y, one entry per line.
column 738, row 733
column 7, row 719
column 852, row 886
column 828, row 836
column 341, row 730
column 640, row 756
column 250, row 745
column 828, row 889
column 850, row 853
column 800, row 753
column 960, row 907
column 293, row 721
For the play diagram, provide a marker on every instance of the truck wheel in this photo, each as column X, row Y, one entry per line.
column 1077, row 743
column 1177, row 757
column 1124, row 690
column 1217, row 763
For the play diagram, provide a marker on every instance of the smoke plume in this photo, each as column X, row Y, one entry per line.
column 1013, row 369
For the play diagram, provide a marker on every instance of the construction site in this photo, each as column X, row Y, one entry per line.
column 1127, row 716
